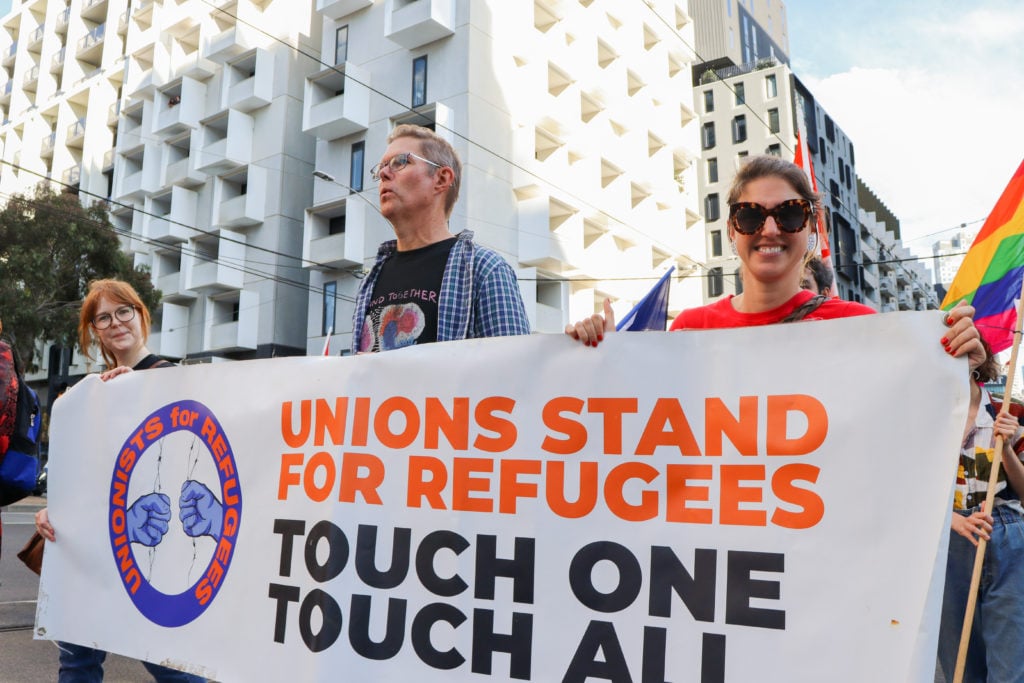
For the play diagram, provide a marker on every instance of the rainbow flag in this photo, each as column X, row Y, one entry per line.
column 990, row 277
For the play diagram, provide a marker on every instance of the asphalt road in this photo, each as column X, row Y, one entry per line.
column 23, row 659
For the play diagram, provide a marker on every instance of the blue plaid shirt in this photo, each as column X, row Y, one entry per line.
column 479, row 294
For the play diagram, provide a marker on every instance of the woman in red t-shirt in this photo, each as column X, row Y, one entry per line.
column 772, row 214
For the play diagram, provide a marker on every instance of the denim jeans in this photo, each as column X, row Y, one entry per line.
column 997, row 634
column 80, row 664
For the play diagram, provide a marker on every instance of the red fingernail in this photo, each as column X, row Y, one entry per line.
column 949, row 320
column 945, row 342
column 949, row 350
column 600, row 337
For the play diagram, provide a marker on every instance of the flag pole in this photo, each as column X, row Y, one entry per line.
column 327, row 341
column 979, row 555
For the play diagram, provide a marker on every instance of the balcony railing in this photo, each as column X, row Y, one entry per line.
column 48, row 143
column 73, row 175
column 76, row 129
column 38, row 34
column 94, row 37
column 12, row 50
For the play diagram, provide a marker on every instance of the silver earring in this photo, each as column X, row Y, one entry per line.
column 812, row 241
column 732, row 246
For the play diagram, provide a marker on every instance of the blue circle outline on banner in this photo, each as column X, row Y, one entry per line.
column 181, row 608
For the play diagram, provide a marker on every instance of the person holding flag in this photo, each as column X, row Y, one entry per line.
column 771, row 205
column 984, row 590
column 997, row 634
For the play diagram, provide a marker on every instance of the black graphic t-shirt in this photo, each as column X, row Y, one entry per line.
column 403, row 310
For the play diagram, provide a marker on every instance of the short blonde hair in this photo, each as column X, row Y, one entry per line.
column 436, row 149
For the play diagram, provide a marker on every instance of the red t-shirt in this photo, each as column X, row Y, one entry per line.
column 722, row 314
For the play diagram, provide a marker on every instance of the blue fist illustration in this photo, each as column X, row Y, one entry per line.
column 147, row 519
column 200, row 512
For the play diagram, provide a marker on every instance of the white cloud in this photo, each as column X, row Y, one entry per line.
column 938, row 146
column 931, row 97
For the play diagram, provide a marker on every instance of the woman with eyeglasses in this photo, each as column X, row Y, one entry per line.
column 114, row 318
column 772, row 218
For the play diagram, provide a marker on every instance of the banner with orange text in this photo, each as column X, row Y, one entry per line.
column 734, row 505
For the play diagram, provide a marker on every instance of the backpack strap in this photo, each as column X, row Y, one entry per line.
column 806, row 309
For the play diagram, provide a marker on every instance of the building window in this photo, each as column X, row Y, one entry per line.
column 341, row 45
column 715, row 282
column 356, row 166
column 833, row 189
column 330, row 298
column 740, row 93
column 737, row 281
column 771, row 86
column 709, row 101
column 716, row 242
column 773, row 121
column 739, row 128
column 830, row 129
column 419, row 81
column 821, row 148
column 713, row 170
column 707, row 135
column 711, row 212
column 775, row 149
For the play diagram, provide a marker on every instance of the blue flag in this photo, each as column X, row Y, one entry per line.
column 651, row 312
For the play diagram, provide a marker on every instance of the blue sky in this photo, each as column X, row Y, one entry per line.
column 930, row 93
column 5, row 7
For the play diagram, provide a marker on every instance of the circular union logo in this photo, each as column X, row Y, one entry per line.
column 175, row 511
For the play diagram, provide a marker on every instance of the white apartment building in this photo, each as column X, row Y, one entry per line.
column 754, row 109
column 749, row 112
column 188, row 118
column 740, row 31
column 203, row 122
column 575, row 124
column 949, row 255
column 899, row 280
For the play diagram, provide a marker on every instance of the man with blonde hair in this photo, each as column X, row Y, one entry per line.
column 428, row 285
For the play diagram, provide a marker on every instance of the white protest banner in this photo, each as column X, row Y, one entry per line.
column 737, row 505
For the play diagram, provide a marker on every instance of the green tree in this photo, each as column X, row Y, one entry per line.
column 51, row 247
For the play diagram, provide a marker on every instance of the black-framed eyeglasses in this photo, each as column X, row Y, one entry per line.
column 749, row 217
column 105, row 320
column 397, row 163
